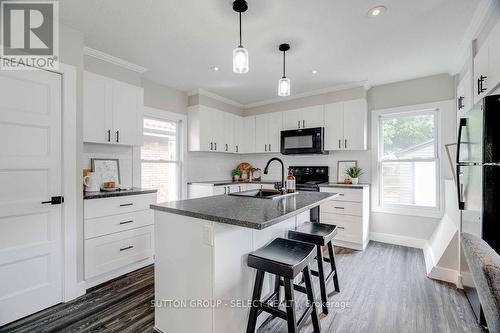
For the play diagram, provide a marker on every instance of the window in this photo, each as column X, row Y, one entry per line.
column 160, row 163
column 408, row 160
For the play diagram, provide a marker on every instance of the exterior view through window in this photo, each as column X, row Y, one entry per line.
column 408, row 159
column 159, row 158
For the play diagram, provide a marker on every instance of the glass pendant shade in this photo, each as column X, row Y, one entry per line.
column 240, row 60
column 284, row 87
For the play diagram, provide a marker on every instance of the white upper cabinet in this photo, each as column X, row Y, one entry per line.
column 248, row 140
column 112, row 111
column 486, row 67
column 228, row 121
column 202, row 134
column 308, row 117
column 465, row 93
column 334, row 126
column 346, row 125
column 268, row 128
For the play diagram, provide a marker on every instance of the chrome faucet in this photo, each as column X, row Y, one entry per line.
column 266, row 170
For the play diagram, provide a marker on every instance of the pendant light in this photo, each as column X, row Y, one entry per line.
column 284, row 82
column 240, row 54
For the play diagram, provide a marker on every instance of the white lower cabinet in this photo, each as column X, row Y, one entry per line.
column 119, row 236
column 350, row 212
column 208, row 190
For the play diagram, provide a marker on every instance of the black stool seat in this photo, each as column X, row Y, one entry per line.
column 283, row 257
column 316, row 233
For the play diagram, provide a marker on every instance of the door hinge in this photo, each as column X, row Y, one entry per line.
column 54, row 200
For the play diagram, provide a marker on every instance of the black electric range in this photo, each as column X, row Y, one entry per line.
column 308, row 178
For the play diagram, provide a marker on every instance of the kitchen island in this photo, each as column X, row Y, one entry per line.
column 202, row 282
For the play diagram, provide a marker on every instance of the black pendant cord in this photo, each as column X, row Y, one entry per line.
column 284, row 65
column 240, row 31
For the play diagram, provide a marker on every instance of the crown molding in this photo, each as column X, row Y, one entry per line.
column 216, row 97
column 481, row 15
column 113, row 60
column 361, row 84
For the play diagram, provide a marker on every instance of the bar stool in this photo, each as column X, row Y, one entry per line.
column 319, row 234
column 285, row 258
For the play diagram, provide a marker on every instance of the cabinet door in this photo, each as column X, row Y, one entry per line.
column 229, row 142
column 494, row 65
column 217, row 122
column 127, row 113
column 97, row 108
column 248, row 142
column 219, row 190
column 206, row 129
column 313, row 116
column 261, row 130
column 481, row 73
column 275, row 125
column 334, row 126
column 238, row 135
column 355, row 124
column 292, row 119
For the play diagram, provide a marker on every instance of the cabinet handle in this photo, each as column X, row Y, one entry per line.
column 237, row 149
column 127, row 204
column 117, row 137
column 228, row 190
column 298, row 123
column 480, row 81
column 340, row 144
column 303, row 124
column 336, row 207
column 269, row 147
column 211, row 146
column 109, row 135
column 265, row 147
column 227, row 147
column 341, row 194
column 127, row 248
column 215, row 144
column 345, row 143
column 341, row 227
column 127, row 222
column 225, row 190
column 461, row 102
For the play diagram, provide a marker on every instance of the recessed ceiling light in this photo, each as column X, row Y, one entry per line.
column 314, row 71
column 215, row 68
column 377, row 11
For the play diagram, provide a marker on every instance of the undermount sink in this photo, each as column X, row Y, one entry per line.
column 262, row 194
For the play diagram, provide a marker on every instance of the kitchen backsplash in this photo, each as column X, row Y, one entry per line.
column 122, row 153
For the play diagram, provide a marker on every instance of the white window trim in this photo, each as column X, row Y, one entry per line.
column 431, row 212
column 181, row 121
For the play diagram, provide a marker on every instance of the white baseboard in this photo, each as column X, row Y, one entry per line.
column 350, row 245
column 398, row 240
column 444, row 274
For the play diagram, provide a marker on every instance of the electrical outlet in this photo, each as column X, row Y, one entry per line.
column 207, row 235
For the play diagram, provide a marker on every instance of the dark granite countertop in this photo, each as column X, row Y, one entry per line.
column 344, row 185
column 230, row 182
column 246, row 212
column 101, row 194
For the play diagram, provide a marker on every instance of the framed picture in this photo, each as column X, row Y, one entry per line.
column 342, row 166
column 107, row 169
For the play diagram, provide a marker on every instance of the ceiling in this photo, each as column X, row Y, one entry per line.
column 179, row 40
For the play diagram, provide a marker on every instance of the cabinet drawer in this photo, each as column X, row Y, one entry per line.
column 347, row 226
column 117, row 205
column 345, row 194
column 106, row 225
column 342, row 207
column 107, row 253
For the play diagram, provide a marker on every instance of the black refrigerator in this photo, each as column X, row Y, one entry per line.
column 478, row 181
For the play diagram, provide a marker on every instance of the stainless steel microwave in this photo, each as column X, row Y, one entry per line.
column 303, row 141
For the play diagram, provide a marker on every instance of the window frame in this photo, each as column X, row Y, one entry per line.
column 400, row 209
column 181, row 121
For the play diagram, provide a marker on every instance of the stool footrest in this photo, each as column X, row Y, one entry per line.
column 296, row 287
column 272, row 310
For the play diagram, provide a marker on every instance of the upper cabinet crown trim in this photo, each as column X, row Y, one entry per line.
column 113, row 60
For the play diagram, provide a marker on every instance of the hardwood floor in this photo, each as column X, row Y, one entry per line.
column 383, row 289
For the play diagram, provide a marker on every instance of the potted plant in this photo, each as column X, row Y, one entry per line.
column 236, row 173
column 354, row 173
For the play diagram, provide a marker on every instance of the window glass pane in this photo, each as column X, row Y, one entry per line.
column 163, row 177
column 160, row 140
column 409, row 183
column 408, row 137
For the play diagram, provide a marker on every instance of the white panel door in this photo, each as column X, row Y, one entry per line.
column 30, row 172
column 292, row 119
column 97, row 108
column 261, row 133
column 334, row 126
column 248, row 135
column 127, row 119
column 355, row 127
column 275, row 125
column 313, row 116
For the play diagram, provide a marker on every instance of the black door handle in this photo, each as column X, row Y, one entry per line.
column 118, row 136
column 54, row 200
column 109, row 135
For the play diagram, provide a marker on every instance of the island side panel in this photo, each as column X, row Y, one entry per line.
column 183, row 272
